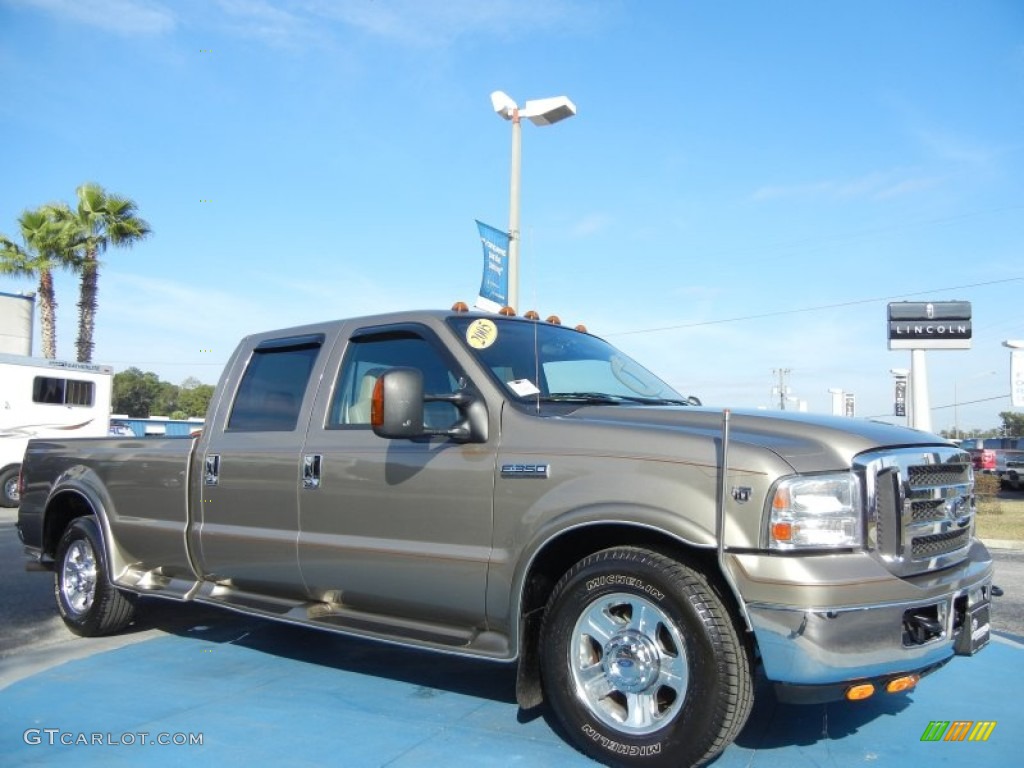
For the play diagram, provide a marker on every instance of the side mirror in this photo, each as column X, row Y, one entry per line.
column 396, row 410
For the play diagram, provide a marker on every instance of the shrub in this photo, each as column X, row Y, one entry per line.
column 986, row 490
column 986, row 485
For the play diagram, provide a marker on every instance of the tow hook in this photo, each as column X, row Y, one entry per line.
column 919, row 628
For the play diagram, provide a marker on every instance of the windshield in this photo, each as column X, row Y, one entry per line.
column 535, row 360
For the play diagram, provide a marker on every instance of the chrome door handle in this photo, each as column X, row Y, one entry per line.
column 311, row 471
column 211, row 473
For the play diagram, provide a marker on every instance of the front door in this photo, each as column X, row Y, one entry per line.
column 399, row 529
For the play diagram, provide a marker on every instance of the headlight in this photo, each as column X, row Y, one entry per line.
column 815, row 512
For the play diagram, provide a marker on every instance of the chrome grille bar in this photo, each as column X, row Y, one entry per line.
column 919, row 504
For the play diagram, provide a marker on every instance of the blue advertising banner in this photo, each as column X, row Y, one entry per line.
column 494, row 284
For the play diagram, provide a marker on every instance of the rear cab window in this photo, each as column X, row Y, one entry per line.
column 270, row 394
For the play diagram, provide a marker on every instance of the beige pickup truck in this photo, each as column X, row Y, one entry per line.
column 518, row 490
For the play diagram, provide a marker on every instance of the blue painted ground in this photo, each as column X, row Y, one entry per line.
column 260, row 693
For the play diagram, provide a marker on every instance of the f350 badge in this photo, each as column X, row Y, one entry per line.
column 542, row 471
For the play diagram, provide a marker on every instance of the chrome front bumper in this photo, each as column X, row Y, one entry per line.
column 822, row 646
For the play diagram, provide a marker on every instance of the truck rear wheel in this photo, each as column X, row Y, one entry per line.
column 641, row 663
column 9, row 487
column 89, row 604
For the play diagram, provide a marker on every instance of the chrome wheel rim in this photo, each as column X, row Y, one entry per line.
column 629, row 664
column 11, row 489
column 78, row 577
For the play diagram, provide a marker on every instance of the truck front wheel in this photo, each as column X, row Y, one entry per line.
column 641, row 663
column 89, row 604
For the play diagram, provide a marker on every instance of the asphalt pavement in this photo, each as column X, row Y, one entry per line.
column 196, row 684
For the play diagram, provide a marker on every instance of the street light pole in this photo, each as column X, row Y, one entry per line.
column 956, row 401
column 513, row 210
column 539, row 112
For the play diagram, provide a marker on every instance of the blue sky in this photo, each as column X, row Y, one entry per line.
column 756, row 179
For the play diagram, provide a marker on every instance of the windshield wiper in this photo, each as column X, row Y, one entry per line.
column 591, row 398
column 603, row 398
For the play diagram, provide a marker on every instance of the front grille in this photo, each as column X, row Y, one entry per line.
column 920, row 506
column 931, row 475
column 925, row 547
column 925, row 511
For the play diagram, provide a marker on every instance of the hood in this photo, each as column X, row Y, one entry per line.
column 808, row 442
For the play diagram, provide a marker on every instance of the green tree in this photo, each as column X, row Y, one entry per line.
column 100, row 220
column 135, row 393
column 195, row 400
column 1013, row 423
column 166, row 400
column 45, row 250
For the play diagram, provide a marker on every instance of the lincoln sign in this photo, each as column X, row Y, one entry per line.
column 930, row 325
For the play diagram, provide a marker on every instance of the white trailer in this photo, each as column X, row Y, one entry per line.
column 47, row 398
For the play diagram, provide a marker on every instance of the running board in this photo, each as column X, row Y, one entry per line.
column 339, row 618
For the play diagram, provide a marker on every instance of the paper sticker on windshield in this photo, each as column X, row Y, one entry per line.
column 523, row 387
column 481, row 333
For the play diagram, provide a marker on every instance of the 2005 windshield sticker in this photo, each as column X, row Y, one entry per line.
column 481, row 333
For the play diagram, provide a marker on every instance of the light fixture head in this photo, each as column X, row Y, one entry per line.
column 503, row 104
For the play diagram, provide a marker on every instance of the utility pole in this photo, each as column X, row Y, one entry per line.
column 781, row 389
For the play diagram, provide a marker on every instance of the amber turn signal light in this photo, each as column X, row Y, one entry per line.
column 860, row 692
column 900, row 684
column 377, row 404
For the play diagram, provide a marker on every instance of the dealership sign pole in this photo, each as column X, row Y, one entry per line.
column 920, row 326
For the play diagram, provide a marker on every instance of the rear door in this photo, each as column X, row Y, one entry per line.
column 400, row 529
column 251, row 470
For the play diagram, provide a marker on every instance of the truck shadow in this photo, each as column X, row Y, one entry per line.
column 772, row 724
column 426, row 670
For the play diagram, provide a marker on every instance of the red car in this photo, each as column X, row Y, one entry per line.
column 984, row 459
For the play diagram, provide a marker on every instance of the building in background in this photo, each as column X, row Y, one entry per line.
column 16, row 313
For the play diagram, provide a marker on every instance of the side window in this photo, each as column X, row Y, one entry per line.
column 54, row 391
column 368, row 357
column 270, row 394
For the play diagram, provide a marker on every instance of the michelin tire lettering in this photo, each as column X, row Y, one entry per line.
column 621, row 580
column 619, row 748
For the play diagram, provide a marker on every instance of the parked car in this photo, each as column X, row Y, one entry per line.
column 1001, row 456
column 984, row 459
column 1009, row 463
column 120, row 429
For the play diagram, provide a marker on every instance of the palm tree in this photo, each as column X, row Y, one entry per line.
column 45, row 250
column 100, row 220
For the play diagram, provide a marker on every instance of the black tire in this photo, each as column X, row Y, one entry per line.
column 642, row 663
column 89, row 604
column 9, row 487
